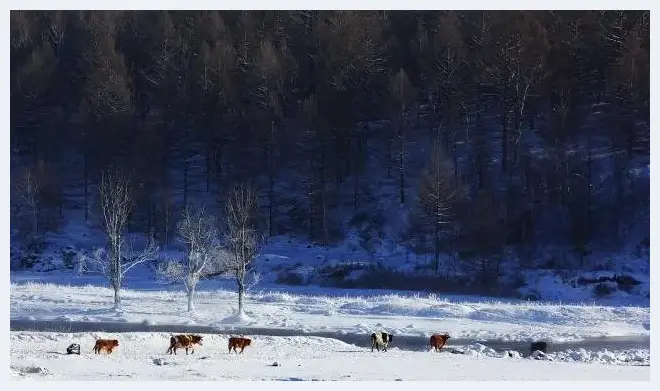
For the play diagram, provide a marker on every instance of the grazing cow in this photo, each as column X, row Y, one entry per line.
column 438, row 341
column 105, row 344
column 181, row 341
column 239, row 342
column 380, row 339
column 541, row 346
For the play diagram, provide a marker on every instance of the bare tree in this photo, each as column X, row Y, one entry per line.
column 402, row 95
column 119, row 257
column 28, row 190
column 243, row 239
column 167, row 210
column 21, row 29
column 437, row 197
column 450, row 82
column 198, row 232
column 270, row 76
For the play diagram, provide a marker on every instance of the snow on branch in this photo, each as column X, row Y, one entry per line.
column 243, row 239
column 118, row 257
column 197, row 230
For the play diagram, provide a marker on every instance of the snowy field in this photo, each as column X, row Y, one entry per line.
column 284, row 320
column 332, row 311
column 142, row 356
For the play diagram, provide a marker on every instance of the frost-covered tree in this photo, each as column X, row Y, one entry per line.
column 243, row 238
column 198, row 232
column 118, row 257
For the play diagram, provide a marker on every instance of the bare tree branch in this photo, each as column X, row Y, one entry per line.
column 198, row 232
column 243, row 239
column 118, row 258
column 437, row 192
column 28, row 189
column 438, row 195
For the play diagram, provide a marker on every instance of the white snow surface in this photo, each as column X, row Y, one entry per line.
column 142, row 356
column 332, row 311
column 603, row 356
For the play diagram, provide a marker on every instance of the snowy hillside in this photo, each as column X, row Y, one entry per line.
column 370, row 163
column 290, row 263
column 371, row 249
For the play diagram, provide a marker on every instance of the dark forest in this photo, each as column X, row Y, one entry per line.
column 474, row 135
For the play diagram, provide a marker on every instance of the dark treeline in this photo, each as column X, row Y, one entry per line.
column 491, row 130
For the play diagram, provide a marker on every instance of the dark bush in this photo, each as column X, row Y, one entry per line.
column 603, row 289
column 289, row 278
column 626, row 283
column 69, row 257
column 517, row 281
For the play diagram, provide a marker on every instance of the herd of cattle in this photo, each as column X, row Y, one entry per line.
column 379, row 340
column 382, row 339
column 181, row 341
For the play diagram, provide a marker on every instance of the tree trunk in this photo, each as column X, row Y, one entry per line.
column 218, row 160
column 325, row 220
column 401, row 174
column 86, row 174
column 207, row 173
column 505, row 135
column 35, row 221
column 61, row 201
column 359, row 166
column 271, row 179
column 455, row 156
column 516, row 137
column 310, row 208
column 117, row 298
column 436, row 259
column 310, row 185
column 618, row 191
column 389, row 153
column 630, row 133
column 348, row 153
column 166, row 224
column 356, row 191
column 150, row 214
column 588, row 219
column 185, row 181
column 323, row 198
column 310, row 202
column 480, row 150
column 191, row 295
column 241, row 293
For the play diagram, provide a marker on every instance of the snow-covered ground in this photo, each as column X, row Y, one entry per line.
column 332, row 310
column 281, row 318
column 293, row 261
column 141, row 356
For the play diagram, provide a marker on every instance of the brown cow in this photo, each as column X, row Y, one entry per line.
column 439, row 340
column 181, row 341
column 105, row 344
column 239, row 342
